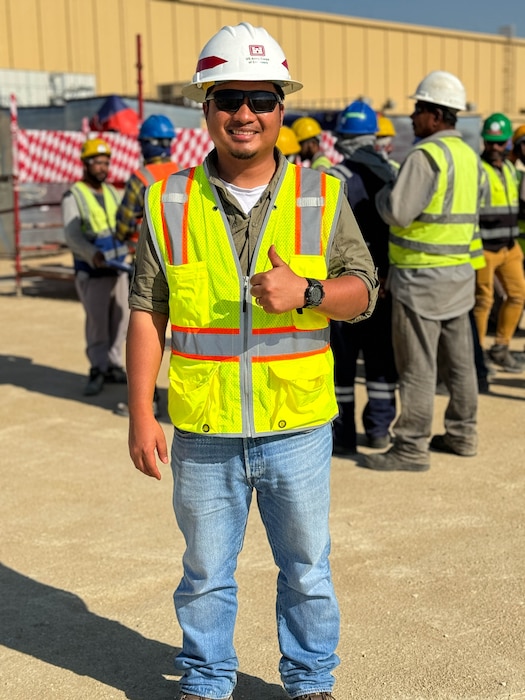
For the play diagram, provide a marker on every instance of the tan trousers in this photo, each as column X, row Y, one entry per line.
column 507, row 266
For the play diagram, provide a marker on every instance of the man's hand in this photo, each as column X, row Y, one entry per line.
column 146, row 441
column 279, row 289
column 99, row 260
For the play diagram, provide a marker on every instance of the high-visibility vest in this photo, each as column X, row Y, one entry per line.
column 236, row 370
column 98, row 223
column 498, row 217
column 148, row 174
column 446, row 233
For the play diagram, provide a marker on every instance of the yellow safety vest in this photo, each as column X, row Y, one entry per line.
column 98, row 223
column 498, row 217
column 236, row 370
column 446, row 233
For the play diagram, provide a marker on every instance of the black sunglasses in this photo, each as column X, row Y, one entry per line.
column 259, row 101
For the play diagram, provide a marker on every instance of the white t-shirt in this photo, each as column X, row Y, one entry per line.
column 247, row 198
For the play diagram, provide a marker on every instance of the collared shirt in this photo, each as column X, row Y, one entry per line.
column 348, row 256
column 436, row 293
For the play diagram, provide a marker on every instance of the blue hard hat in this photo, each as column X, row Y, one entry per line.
column 156, row 127
column 358, row 118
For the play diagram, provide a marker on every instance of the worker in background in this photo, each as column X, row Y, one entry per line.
column 287, row 143
column 89, row 210
column 308, row 132
column 155, row 138
column 385, row 139
column 499, row 230
column 432, row 210
column 364, row 171
column 247, row 257
column 518, row 157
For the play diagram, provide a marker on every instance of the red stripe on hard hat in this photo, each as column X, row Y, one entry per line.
column 209, row 62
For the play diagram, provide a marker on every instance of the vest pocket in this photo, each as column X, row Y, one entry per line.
column 195, row 403
column 302, row 392
column 189, row 294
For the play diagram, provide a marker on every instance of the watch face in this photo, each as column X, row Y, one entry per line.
column 314, row 293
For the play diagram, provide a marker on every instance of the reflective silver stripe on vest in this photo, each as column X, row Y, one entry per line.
column 435, row 249
column 341, row 172
column 310, row 205
column 219, row 344
column 448, row 218
column 499, row 233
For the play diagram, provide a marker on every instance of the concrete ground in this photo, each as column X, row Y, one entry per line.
column 429, row 568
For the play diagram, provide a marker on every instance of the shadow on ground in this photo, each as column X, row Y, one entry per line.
column 56, row 627
column 63, row 384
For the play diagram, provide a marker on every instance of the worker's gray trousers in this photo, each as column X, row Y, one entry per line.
column 419, row 344
column 105, row 301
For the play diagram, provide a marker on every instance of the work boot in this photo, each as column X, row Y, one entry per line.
column 444, row 443
column 115, row 375
column 391, row 461
column 316, row 696
column 378, row 442
column 95, row 382
column 501, row 356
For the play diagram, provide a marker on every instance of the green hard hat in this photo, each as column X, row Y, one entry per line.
column 497, row 127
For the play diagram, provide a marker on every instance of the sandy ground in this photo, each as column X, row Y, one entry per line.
column 429, row 568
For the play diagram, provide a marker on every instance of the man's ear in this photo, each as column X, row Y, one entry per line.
column 205, row 109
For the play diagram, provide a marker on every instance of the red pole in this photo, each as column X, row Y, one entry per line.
column 16, row 200
column 139, row 77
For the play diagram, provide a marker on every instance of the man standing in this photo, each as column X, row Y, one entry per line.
column 364, row 172
column 88, row 211
column 248, row 256
column 432, row 210
column 155, row 138
column 498, row 222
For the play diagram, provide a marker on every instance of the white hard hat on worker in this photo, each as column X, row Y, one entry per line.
column 241, row 52
column 442, row 88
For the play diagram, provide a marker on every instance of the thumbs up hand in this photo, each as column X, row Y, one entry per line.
column 279, row 289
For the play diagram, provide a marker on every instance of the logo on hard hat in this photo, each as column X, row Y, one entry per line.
column 495, row 127
column 256, row 50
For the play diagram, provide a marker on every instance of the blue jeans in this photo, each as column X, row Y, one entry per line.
column 214, row 479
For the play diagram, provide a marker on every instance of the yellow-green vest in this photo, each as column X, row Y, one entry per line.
column 446, row 233
column 98, row 223
column 236, row 370
column 498, row 216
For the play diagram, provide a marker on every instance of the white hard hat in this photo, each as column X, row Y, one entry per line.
column 442, row 88
column 241, row 52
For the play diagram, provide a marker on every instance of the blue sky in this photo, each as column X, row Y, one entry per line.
column 481, row 16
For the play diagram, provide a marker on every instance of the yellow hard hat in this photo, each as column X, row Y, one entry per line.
column 306, row 128
column 287, row 141
column 519, row 134
column 94, row 147
column 384, row 127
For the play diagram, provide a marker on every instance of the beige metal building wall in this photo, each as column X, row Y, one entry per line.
column 338, row 58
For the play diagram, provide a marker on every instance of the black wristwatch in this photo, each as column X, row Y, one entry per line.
column 313, row 294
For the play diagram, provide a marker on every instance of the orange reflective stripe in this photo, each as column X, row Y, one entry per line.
column 297, row 211
column 211, row 331
column 323, row 207
column 280, row 329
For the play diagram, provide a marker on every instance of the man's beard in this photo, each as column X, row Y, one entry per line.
column 242, row 155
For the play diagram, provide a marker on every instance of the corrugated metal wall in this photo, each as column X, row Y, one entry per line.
column 338, row 58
